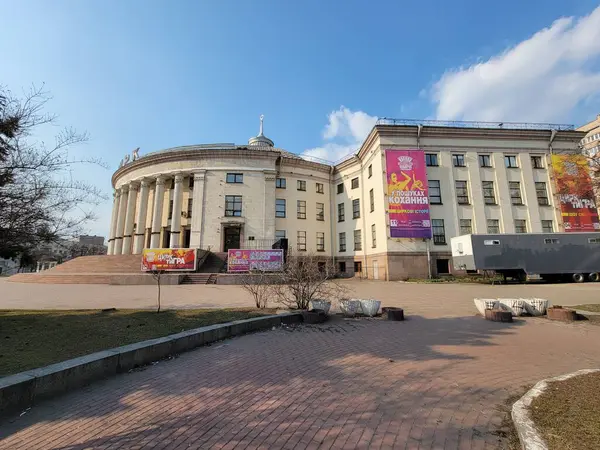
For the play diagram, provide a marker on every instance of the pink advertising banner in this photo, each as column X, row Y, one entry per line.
column 247, row 260
column 408, row 199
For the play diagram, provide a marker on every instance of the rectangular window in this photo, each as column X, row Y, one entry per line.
column 356, row 208
column 458, row 160
column 435, row 192
column 357, row 240
column 489, row 197
column 485, row 161
column 280, row 183
column 321, row 211
column 372, row 200
column 370, row 170
column 233, row 206
column 431, row 159
column 301, row 185
column 493, row 226
column 520, row 226
column 537, row 162
column 280, row 207
column 341, row 213
column 170, row 210
column 340, row 188
column 320, row 241
column 191, row 182
column 301, row 244
column 354, row 183
column 462, row 192
column 235, row 178
column 342, row 238
column 342, row 266
column 279, row 234
column 373, row 236
column 510, row 161
column 189, row 208
column 357, row 266
column 542, row 193
column 515, row 192
column 320, row 189
column 439, row 233
column 547, row 226
column 301, row 209
column 465, row 226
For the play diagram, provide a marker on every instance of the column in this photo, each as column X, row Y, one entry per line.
column 129, row 216
column 113, row 223
column 197, row 208
column 176, row 219
column 159, row 197
column 138, row 237
column 121, row 219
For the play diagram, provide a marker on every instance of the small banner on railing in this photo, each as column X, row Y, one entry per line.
column 248, row 260
column 169, row 259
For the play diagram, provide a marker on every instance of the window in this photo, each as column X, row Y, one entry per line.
column 520, row 226
column 485, row 161
column 547, row 226
column 341, row 213
column 373, row 236
column 541, row 192
column 493, row 226
column 458, row 160
column 340, row 188
column 320, row 189
column 301, row 209
column 279, row 234
column 439, row 233
column 235, row 178
column 356, row 208
column 191, row 182
column 489, row 197
column 342, row 238
column 354, row 183
column 357, row 240
column 301, row 185
column 320, row 241
column 321, row 211
column 462, row 192
column 342, row 266
column 280, row 207
column 594, row 240
column 515, row 192
column 358, row 266
column 491, row 242
column 372, row 200
column 301, row 238
column 189, row 208
column 250, row 238
column 435, row 192
column 431, row 159
column 280, row 183
column 465, row 226
column 370, row 170
column 536, row 162
column 233, row 206
column 510, row 161
column 170, row 210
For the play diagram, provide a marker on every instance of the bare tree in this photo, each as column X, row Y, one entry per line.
column 39, row 199
column 157, row 274
column 259, row 285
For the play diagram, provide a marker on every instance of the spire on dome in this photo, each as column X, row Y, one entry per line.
column 261, row 140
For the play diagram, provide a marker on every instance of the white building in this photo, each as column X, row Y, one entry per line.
column 482, row 178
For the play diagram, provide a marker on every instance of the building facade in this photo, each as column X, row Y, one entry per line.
column 482, row 178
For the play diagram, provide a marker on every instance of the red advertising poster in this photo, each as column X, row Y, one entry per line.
column 247, row 260
column 575, row 192
column 169, row 259
column 408, row 199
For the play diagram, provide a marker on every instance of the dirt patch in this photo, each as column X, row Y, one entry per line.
column 592, row 307
column 506, row 430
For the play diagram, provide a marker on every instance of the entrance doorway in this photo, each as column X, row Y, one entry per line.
column 231, row 238
column 375, row 270
column 442, row 266
column 186, row 237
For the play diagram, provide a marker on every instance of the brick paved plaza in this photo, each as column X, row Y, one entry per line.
column 431, row 382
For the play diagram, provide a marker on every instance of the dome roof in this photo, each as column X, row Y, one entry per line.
column 261, row 140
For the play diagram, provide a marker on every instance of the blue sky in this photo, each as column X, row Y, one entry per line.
column 153, row 74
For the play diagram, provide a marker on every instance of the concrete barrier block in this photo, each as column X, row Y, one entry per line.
column 16, row 392
column 141, row 353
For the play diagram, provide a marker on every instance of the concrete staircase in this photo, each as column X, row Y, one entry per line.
column 199, row 278
column 214, row 263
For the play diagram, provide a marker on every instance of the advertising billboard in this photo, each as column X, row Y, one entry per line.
column 575, row 192
column 247, row 260
column 408, row 199
column 169, row 259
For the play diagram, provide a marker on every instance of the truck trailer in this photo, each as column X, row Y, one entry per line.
column 549, row 256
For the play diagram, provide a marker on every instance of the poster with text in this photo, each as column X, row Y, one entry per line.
column 408, row 199
column 575, row 192
column 169, row 259
column 248, row 260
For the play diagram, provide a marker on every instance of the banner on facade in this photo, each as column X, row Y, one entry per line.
column 247, row 260
column 408, row 199
column 169, row 259
column 575, row 192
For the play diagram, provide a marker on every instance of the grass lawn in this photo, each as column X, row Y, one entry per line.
column 590, row 307
column 31, row 339
column 567, row 413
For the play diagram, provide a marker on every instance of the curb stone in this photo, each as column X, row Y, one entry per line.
column 528, row 433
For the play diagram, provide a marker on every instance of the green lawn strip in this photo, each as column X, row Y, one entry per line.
column 31, row 339
column 567, row 413
column 591, row 307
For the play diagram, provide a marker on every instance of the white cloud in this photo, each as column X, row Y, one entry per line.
column 540, row 79
column 343, row 134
